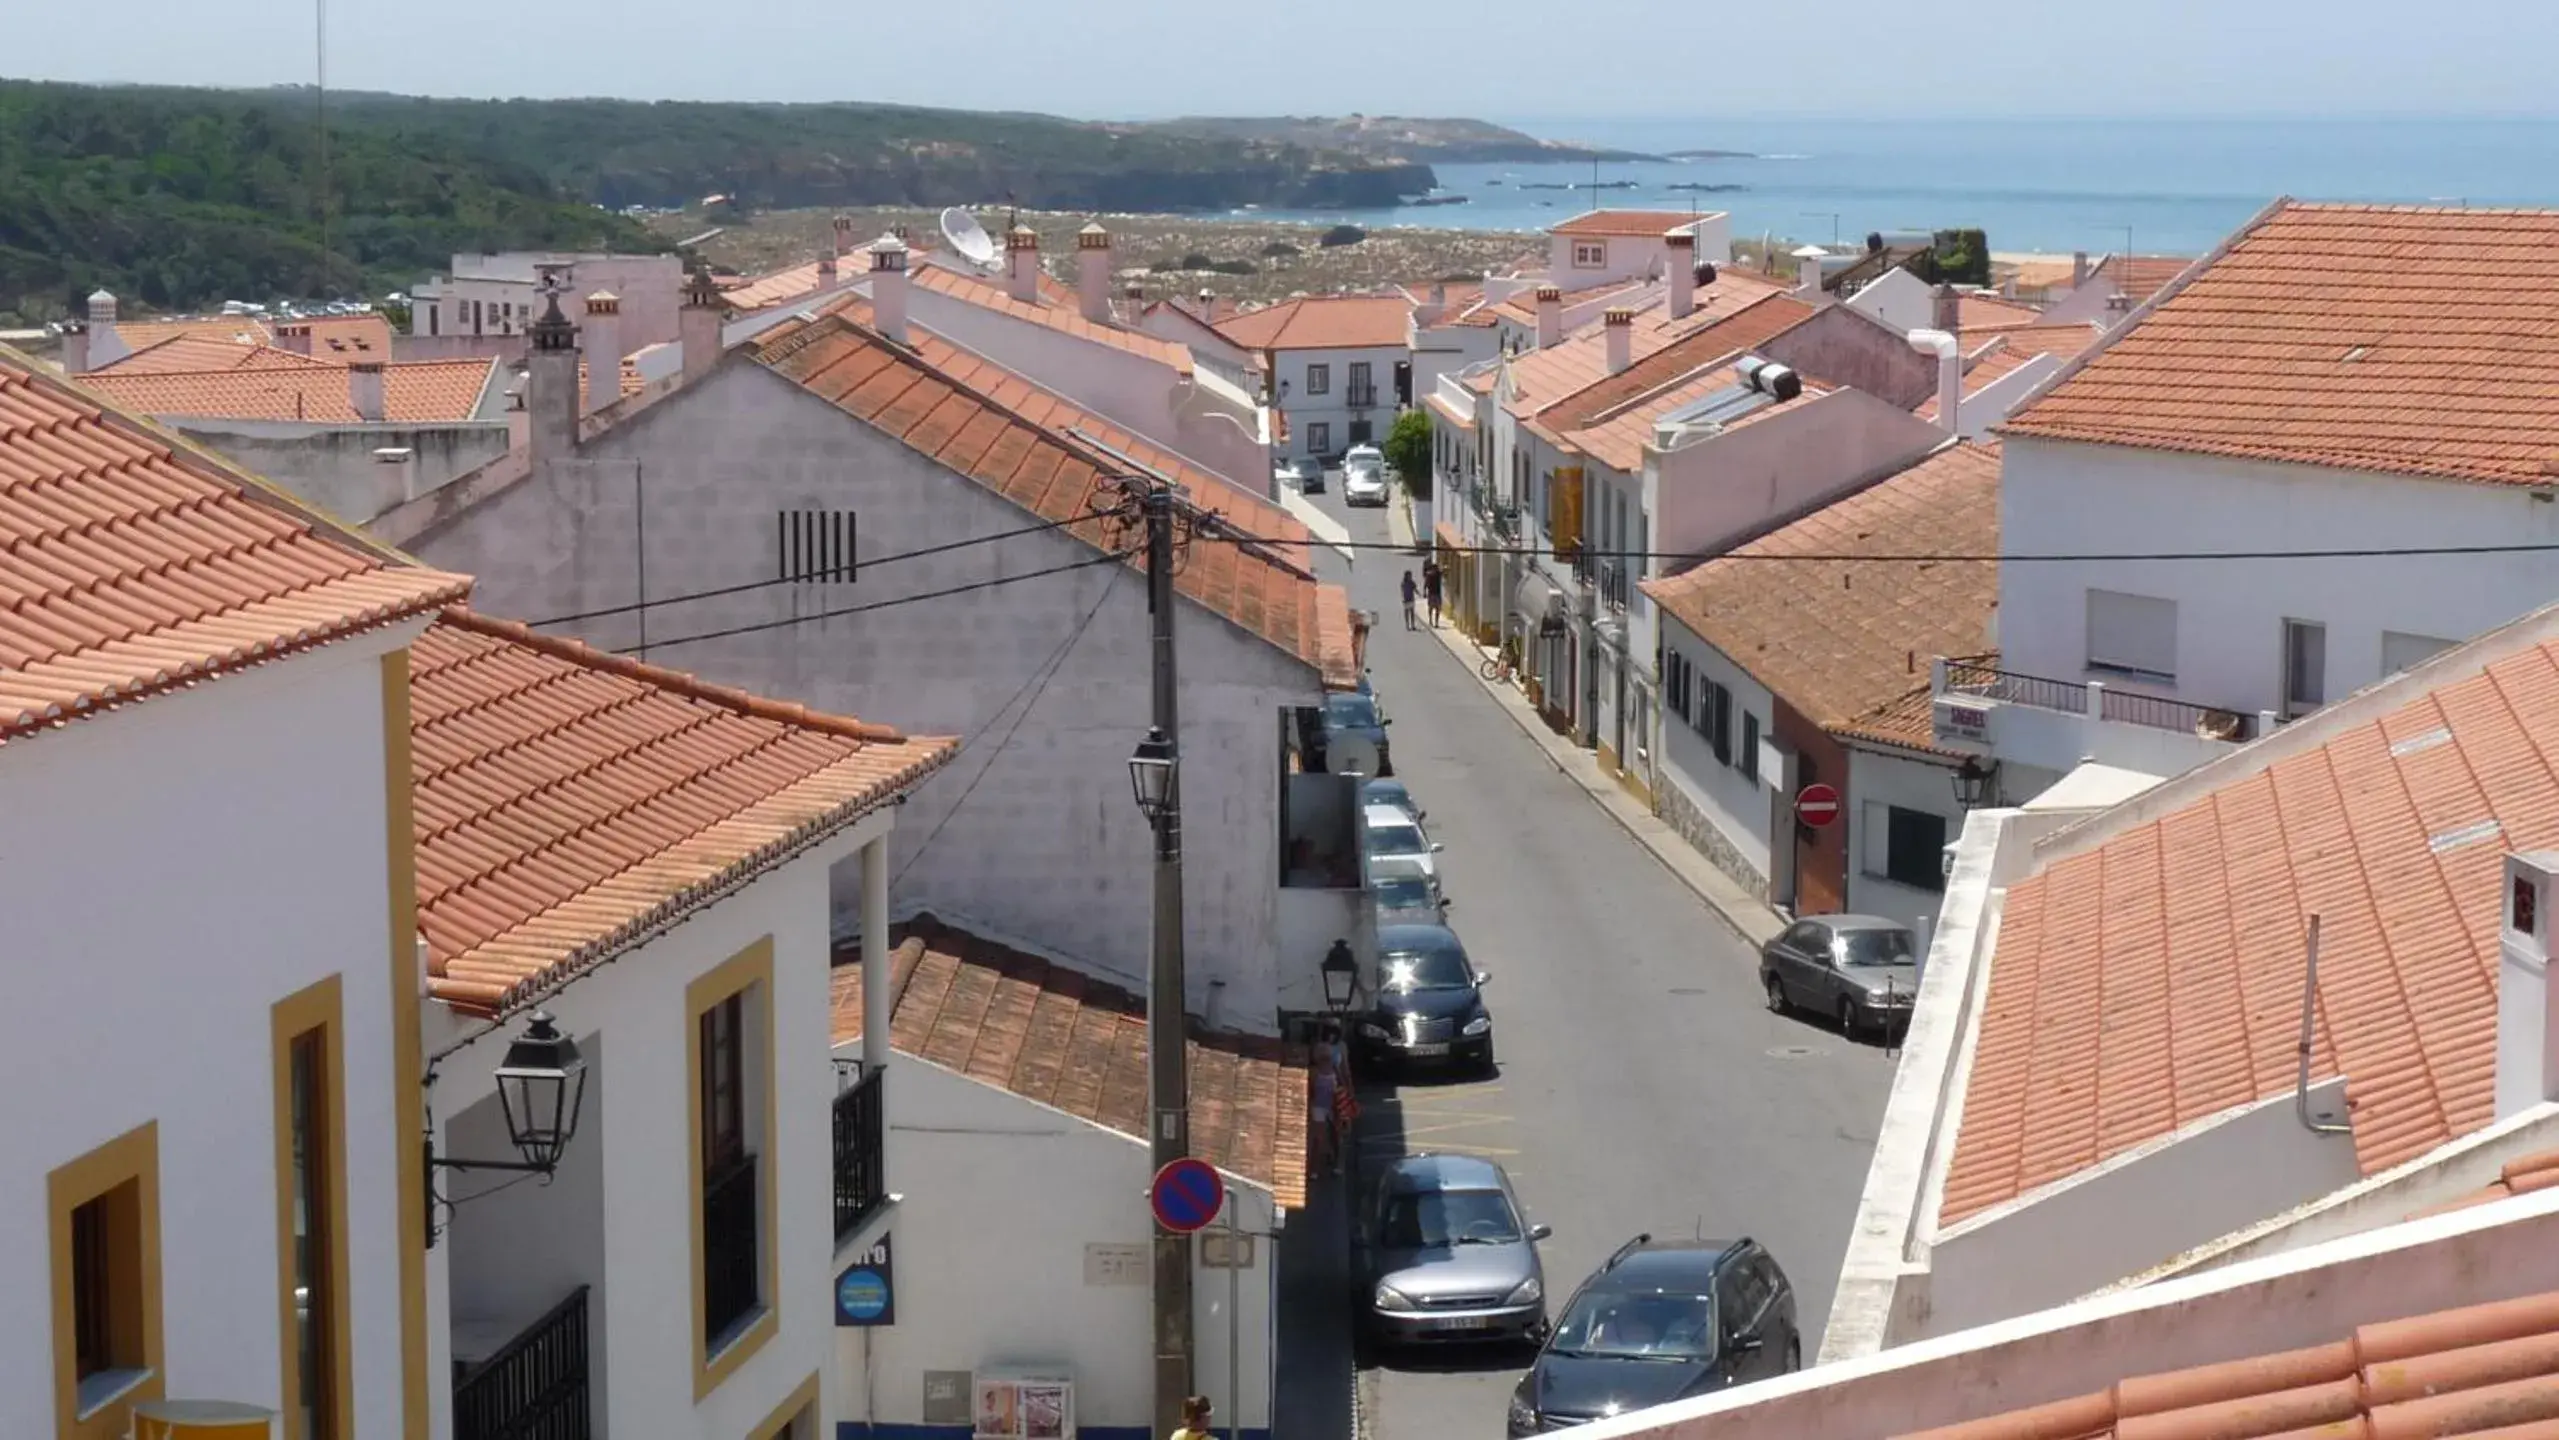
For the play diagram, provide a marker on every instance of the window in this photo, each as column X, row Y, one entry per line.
column 1319, row 438
column 2133, row 634
column 1675, row 683
column 105, row 1236
column 1906, row 847
column 1750, row 746
column 814, row 546
column 1319, row 379
column 1359, row 377
column 2305, row 666
column 2406, row 652
column 310, row 1214
column 1714, row 718
column 435, row 315
column 1745, row 1295
column 1590, row 254
column 729, row 1164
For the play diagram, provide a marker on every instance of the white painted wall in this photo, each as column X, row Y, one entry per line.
column 648, row 286
column 332, row 466
column 1712, row 493
column 1738, row 808
column 170, row 870
column 1888, row 778
column 1333, row 408
column 1002, row 1194
column 1995, row 401
column 1209, row 348
column 1439, row 350
column 1629, row 256
column 2062, row 497
column 1899, row 299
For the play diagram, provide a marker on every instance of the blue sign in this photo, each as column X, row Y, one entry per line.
column 1186, row 1195
column 866, row 1293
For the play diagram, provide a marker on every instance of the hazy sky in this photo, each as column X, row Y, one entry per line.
column 1500, row 59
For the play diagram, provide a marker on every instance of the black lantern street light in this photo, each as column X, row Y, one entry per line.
column 1150, row 774
column 1341, row 978
column 541, row 1090
column 1972, row 782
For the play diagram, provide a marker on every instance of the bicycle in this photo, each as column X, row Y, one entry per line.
column 1503, row 667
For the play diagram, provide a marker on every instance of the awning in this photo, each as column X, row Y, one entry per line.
column 1449, row 413
column 1534, row 597
column 1447, row 538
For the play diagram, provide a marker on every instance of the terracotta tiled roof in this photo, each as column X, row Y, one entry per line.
column 1323, row 322
column 1978, row 311
column 1060, row 316
column 1462, row 419
column 349, row 337
column 1541, row 377
column 2520, row 1176
column 1634, row 223
column 896, row 391
column 2065, row 341
column 1908, row 720
column 229, row 329
column 789, row 283
column 1759, row 319
column 418, row 392
column 2139, row 276
column 181, row 354
column 1838, row 641
column 1522, row 307
column 1616, row 438
column 567, row 798
column 128, row 568
column 2361, row 337
column 1987, row 365
column 1462, row 304
column 2155, row 979
column 1078, row 1045
column 1211, row 492
column 2482, row 1370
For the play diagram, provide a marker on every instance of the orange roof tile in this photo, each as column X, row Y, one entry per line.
column 2520, row 1176
column 1323, row 322
column 1839, row 650
column 416, row 392
column 1758, row 319
column 1063, row 317
column 789, row 283
column 2155, row 979
column 1551, row 373
column 348, row 337
column 1616, row 438
column 1076, row 1044
column 2482, row 1370
column 2066, row 341
column 128, row 568
column 2139, row 276
column 1632, row 223
column 2354, row 336
column 1987, row 365
column 893, row 389
column 568, row 800
column 1978, row 311
column 180, row 354
column 229, row 329
column 1522, row 306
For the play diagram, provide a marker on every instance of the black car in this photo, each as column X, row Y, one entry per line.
column 1661, row 1321
column 1430, row 1001
column 1861, row 970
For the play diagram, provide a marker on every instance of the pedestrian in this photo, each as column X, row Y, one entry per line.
column 1195, row 1413
column 1432, row 579
column 1410, row 590
column 1320, row 1124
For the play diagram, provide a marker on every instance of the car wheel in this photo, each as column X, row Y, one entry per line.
column 1776, row 993
column 1848, row 1018
column 1490, row 1067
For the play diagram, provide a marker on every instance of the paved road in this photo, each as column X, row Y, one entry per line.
column 1644, row 1086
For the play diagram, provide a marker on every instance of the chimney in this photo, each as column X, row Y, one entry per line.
column 1133, row 300
column 1621, row 338
column 1949, row 311
column 404, row 460
column 2078, row 268
column 888, row 287
column 1808, row 273
column 364, row 390
column 1022, row 261
column 551, row 378
column 602, row 342
column 697, row 325
column 105, row 346
column 1950, row 388
column 294, row 336
column 75, row 348
column 2527, row 1038
column 1093, row 271
column 843, row 239
column 1550, row 315
column 519, row 423
column 1683, row 272
column 826, row 271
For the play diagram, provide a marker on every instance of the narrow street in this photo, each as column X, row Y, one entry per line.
column 1643, row 1085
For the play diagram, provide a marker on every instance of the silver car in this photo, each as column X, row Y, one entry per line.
column 1862, row 970
column 1448, row 1256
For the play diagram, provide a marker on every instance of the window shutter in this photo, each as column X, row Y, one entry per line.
column 2132, row 632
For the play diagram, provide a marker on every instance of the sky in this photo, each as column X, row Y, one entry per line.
column 1492, row 59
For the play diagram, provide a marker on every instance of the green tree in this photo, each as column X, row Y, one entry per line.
column 1408, row 450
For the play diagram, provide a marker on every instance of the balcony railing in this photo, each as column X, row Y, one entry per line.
column 861, row 1180
column 2071, row 697
column 1362, row 397
column 729, row 1271
column 535, row 1387
column 1966, row 678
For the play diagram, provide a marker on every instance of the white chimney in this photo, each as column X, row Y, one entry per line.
column 1683, row 272
column 602, row 342
column 294, row 336
column 105, row 346
column 1550, row 315
column 888, row 287
column 1621, row 338
column 1808, row 272
column 843, row 237
column 1022, row 262
column 551, row 379
column 1133, row 300
column 2078, row 268
column 1093, row 272
column 826, row 272
column 2527, row 1027
column 697, row 326
column 405, row 459
column 364, row 391
column 1950, row 374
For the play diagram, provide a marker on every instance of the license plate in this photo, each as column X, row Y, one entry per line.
column 1458, row 1322
column 1426, row 1051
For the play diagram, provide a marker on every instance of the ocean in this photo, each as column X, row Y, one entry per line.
column 2177, row 186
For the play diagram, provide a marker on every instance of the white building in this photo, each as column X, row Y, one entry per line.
column 1451, row 330
column 1340, row 366
column 1604, row 245
column 500, row 294
column 2159, row 664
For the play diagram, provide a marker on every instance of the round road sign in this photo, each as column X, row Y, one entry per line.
column 1817, row 805
column 1186, row 1195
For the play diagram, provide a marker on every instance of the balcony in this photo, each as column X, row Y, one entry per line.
column 532, row 1388
column 861, row 1177
column 1612, row 584
column 1360, row 396
column 2054, row 724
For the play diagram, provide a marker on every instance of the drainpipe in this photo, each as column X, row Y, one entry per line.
column 2309, row 1013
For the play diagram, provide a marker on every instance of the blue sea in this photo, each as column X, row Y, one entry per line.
column 2177, row 186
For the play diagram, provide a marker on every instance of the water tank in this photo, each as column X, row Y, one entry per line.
column 202, row 1420
column 1705, row 272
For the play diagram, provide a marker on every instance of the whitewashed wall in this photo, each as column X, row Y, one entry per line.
column 1736, row 809
column 1332, row 408
column 1882, row 778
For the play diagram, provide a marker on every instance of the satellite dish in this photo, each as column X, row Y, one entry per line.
column 967, row 236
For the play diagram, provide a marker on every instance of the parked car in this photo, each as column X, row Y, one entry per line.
column 1397, row 846
column 1355, row 735
column 1661, row 1321
column 1446, row 1255
column 1364, row 485
column 1306, row 473
column 1392, row 792
column 1862, row 970
column 1430, row 1001
column 1408, row 900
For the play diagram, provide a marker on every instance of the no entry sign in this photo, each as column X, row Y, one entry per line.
column 1817, row 805
column 1186, row 1195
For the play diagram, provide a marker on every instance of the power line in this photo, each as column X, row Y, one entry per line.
column 1111, row 557
column 1913, row 558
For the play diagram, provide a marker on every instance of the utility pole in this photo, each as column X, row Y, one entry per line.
column 1167, row 1061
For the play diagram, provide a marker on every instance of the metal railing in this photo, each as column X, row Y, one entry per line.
column 534, row 1387
column 1966, row 678
column 2160, row 713
column 1361, row 397
column 861, row 1179
column 729, row 1270
column 2070, row 697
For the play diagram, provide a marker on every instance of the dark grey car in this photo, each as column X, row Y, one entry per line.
column 1307, row 473
column 1446, row 1255
column 1407, row 900
column 1861, row 970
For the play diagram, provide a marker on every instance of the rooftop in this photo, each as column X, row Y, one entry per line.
column 2355, row 336
column 1847, row 651
column 415, row 392
column 1985, row 365
column 1060, row 314
column 195, row 354
column 1323, row 322
column 1639, row 224
column 2139, row 276
column 130, row 566
column 1543, row 376
column 1078, row 1045
column 1976, row 310
column 568, row 799
column 1522, row 306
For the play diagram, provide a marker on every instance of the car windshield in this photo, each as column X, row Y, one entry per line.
column 1351, row 712
column 1649, row 1326
column 1406, row 971
column 1386, row 792
column 1395, row 840
column 1429, row 1219
column 1877, row 947
column 1403, row 892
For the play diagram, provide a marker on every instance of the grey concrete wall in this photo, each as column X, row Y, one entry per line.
column 508, row 349
column 1031, row 833
column 334, row 468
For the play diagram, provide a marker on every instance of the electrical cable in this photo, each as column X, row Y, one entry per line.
column 1835, row 557
column 1111, row 557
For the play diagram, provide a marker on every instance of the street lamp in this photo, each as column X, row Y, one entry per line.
column 1972, row 782
column 1150, row 775
column 1341, row 978
column 541, row 1090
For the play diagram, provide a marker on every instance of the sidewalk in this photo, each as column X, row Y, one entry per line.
column 1319, row 1399
column 1753, row 920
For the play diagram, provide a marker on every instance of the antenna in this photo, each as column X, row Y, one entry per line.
column 968, row 237
column 320, row 122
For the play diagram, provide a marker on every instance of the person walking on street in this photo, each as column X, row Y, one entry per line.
column 1321, row 1127
column 1410, row 589
column 1432, row 579
column 1195, row 1414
